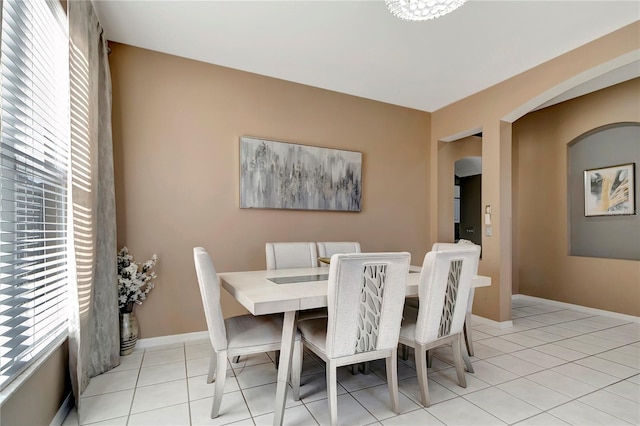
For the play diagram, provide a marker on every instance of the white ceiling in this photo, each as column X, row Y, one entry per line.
column 359, row 48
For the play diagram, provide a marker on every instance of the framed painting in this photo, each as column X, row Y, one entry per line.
column 610, row 191
column 279, row 175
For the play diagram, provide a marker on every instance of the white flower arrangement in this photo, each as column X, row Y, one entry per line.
column 134, row 280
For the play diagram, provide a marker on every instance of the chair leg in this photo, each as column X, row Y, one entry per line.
column 429, row 358
column 466, row 359
column 457, row 358
column 392, row 381
column 221, row 376
column 404, row 352
column 332, row 391
column 421, row 370
column 212, row 367
column 296, row 369
column 467, row 334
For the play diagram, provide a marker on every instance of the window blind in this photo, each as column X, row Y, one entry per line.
column 34, row 159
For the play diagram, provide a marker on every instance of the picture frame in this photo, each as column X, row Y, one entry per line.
column 610, row 191
column 282, row 175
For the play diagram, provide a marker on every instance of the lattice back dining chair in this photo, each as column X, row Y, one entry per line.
column 365, row 298
column 445, row 284
column 326, row 249
column 291, row 255
column 241, row 335
column 468, row 338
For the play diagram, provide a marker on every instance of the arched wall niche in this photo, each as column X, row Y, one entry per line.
column 614, row 236
column 547, row 205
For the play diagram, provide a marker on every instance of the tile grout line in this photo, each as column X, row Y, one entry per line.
column 135, row 389
column 186, row 380
column 551, row 368
column 625, row 338
column 572, row 399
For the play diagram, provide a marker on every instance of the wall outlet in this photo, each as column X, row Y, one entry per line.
column 488, row 231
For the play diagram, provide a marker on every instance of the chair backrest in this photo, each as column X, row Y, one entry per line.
column 365, row 298
column 210, row 292
column 291, row 255
column 457, row 246
column 445, row 285
column 328, row 249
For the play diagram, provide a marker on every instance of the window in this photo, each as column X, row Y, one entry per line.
column 34, row 159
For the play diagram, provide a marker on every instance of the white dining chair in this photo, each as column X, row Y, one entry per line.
column 294, row 255
column 445, row 284
column 326, row 249
column 365, row 298
column 291, row 255
column 414, row 301
column 287, row 255
column 241, row 335
column 468, row 338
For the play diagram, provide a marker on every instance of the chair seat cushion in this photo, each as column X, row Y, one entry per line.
column 409, row 319
column 309, row 314
column 249, row 330
column 408, row 328
column 314, row 331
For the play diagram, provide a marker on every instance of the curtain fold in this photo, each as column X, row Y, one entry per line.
column 94, row 341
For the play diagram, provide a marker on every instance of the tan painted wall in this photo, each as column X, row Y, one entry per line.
column 543, row 266
column 37, row 401
column 492, row 111
column 176, row 129
column 177, row 125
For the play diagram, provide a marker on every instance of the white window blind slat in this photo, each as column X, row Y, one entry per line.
column 34, row 159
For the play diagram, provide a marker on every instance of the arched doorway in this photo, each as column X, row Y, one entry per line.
column 468, row 199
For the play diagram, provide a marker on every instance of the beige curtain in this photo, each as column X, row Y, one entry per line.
column 94, row 322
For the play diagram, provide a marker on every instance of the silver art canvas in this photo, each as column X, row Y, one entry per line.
column 278, row 175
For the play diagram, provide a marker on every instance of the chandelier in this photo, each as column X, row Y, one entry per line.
column 422, row 10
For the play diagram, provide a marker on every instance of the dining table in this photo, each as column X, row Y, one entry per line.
column 289, row 291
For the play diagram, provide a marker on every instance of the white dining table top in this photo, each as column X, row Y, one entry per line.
column 259, row 295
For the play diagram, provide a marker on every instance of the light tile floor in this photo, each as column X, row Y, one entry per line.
column 556, row 366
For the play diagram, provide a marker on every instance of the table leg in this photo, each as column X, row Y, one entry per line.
column 284, row 369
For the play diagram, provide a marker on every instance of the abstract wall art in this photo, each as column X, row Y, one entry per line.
column 279, row 175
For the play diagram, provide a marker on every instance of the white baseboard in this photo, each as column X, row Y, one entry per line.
column 63, row 411
column 204, row 335
column 487, row 321
column 586, row 309
column 171, row 339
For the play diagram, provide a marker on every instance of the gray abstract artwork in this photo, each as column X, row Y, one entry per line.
column 278, row 175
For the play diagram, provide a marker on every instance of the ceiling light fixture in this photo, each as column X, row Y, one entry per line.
column 422, row 10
